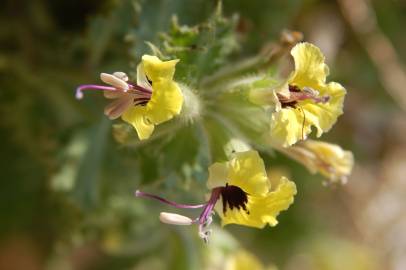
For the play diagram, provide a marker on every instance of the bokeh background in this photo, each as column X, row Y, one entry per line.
column 66, row 183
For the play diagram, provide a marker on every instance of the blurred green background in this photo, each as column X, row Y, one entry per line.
column 66, row 194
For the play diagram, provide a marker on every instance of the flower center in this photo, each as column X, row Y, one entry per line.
column 297, row 94
column 234, row 196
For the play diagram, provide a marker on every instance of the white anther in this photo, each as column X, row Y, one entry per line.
column 121, row 75
column 174, row 219
column 114, row 81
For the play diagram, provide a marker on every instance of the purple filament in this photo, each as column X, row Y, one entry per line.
column 136, row 89
column 210, row 205
column 174, row 204
column 80, row 89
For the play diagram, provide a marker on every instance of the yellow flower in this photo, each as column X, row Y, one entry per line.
column 246, row 197
column 241, row 194
column 152, row 100
column 328, row 159
column 305, row 100
column 166, row 100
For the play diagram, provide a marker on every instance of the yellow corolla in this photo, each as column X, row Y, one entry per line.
column 306, row 100
column 166, row 99
column 240, row 192
column 245, row 191
column 153, row 99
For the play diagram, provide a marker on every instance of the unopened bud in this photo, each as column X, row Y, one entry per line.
column 174, row 219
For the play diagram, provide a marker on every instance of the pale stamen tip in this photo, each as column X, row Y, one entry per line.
column 79, row 94
column 174, row 219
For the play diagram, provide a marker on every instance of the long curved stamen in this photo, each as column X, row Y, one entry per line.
column 81, row 88
column 133, row 89
column 174, row 204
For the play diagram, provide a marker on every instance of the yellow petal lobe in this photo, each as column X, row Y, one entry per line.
column 310, row 69
column 137, row 117
column 247, row 171
column 166, row 101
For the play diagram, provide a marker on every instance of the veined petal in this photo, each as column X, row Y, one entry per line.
column 310, row 69
column 166, row 101
column 137, row 117
column 218, row 174
column 262, row 210
column 247, row 171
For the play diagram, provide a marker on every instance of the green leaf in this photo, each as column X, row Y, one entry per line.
column 202, row 48
column 86, row 190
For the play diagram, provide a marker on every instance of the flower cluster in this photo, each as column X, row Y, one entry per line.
column 239, row 190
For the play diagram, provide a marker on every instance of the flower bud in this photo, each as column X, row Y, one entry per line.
column 325, row 158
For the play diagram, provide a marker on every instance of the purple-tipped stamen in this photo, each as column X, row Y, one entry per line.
column 174, row 204
column 133, row 89
column 205, row 217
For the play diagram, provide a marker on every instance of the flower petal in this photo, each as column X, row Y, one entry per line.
column 167, row 98
column 118, row 106
column 218, row 174
column 136, row 116
column 262, row 209
column 247, row 171
column 166, row 101
column 286, row 127
column 142, row 79
column 328, row 159
column 156, row 70
column 310, row 69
